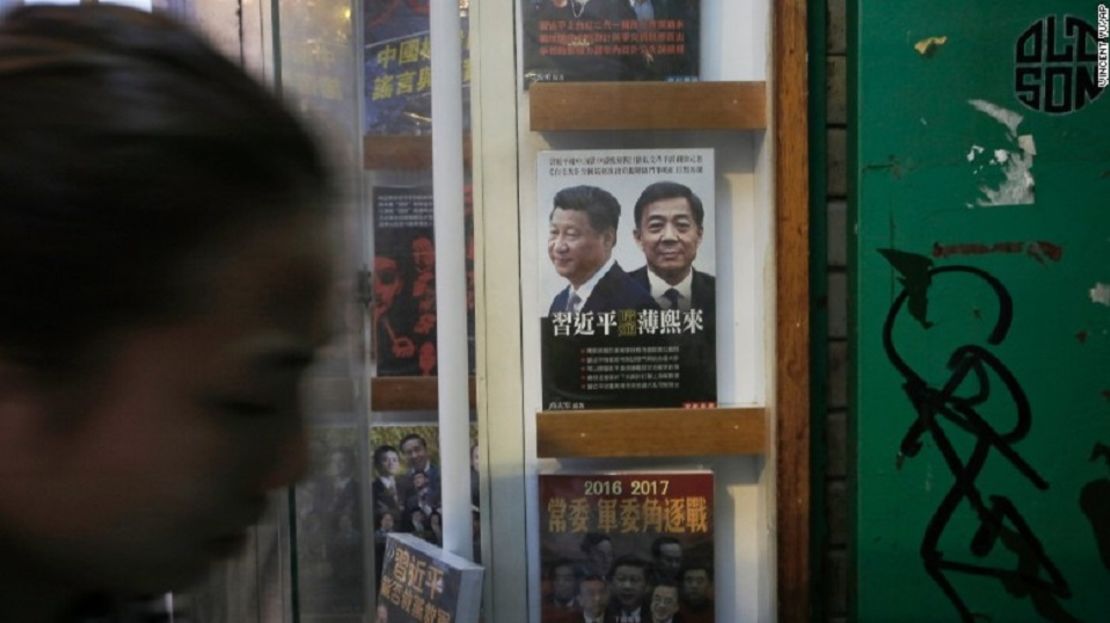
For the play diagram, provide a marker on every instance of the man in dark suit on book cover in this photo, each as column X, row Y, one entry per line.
column 669, row 228
column 696, row 599
column 416, row 451
column 593, row 596
column 581, row 234
column 629, row 587
column 666, row 556
column 562, row 602
column 391, row 487
column 664, row 603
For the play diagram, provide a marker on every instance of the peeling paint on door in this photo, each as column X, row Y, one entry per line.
column 1012, row 161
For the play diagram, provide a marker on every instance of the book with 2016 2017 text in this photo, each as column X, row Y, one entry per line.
column 627, row 292
column 627, row 546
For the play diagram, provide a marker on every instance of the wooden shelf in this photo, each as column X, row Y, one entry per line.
column 648, row 106
column 408, row 393
column 651, row 432
column 402, row 152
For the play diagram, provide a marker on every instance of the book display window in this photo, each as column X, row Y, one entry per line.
column 573, row 314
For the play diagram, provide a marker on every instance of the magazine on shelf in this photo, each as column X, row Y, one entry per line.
column 406, row 486
column 397, row 61
column 634, row 545
column 591, row 40
column 627, row 290
column 421, row 582
column 403, row 292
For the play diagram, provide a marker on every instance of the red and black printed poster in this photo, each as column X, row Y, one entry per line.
column 578, row 40
column 403, row 286
column 628, row 288
column 627, row 546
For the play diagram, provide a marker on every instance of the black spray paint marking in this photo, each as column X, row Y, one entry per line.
column 1100, row 451
column 1094, row 501
column 955, row 403
column 916, row 276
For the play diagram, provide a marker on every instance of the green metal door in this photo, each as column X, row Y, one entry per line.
column 981, row 320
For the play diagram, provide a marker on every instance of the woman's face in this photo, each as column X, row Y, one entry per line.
column 182, row 431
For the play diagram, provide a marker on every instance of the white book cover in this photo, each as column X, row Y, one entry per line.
column 627, row 288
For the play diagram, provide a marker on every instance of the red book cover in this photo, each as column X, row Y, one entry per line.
column 403, row 283
column 615, row 546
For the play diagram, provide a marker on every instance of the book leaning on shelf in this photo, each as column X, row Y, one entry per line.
column 422, row 582
column 627, row 546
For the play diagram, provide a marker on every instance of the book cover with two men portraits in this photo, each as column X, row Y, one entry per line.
column 627, row 284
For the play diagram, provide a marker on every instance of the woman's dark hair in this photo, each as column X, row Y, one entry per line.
column 126, row 142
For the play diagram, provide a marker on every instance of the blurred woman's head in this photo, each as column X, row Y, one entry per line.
column 165, row 260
